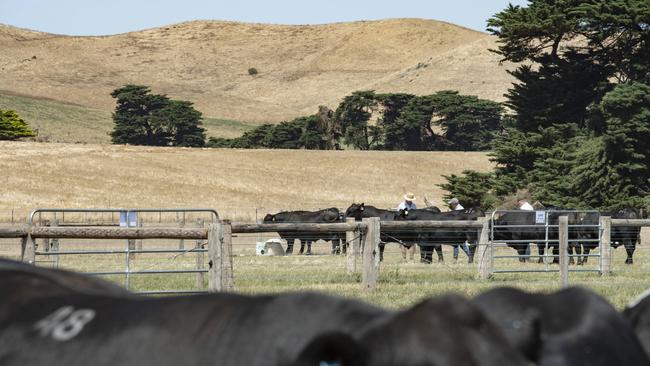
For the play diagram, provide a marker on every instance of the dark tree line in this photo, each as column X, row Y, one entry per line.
column 579, row 135
column 442, row 121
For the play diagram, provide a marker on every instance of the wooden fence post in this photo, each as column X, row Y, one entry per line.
column 138, row 243
column 200, row 278
column 370, row 254
column 606, row 246
column 484, row 250
column 181, row 223
column 55, row 245
column 564, row 250
column 353, row 248
column 28, row 248
column 219, row 253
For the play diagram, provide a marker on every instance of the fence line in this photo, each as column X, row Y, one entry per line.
column 219, row 241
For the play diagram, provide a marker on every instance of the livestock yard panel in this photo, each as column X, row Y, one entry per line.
column 401, row 282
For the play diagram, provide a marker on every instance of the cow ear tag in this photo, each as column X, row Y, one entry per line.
column 326, row 363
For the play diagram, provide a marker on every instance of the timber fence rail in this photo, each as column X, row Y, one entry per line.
column 363, row 239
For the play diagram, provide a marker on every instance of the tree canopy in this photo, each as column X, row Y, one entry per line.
column 143, row 118
column 579, row 130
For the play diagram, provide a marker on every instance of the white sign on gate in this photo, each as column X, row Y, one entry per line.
column 540, row 217
column 130, row 221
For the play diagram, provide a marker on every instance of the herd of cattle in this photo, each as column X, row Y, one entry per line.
column 516, row 228
column 57, row 317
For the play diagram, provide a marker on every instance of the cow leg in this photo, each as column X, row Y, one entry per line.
column 426, row 252
column 585, row 252
column 629, row 249
column 302, row 246
column 569, row 249
column 289, row 250
column 455, row 251
column 541, row 250
column 471, row 250
column 382, row 246
column 308, row 242
column 412, row 252
column 580, row 260
column 521, row 252
column 336, row 246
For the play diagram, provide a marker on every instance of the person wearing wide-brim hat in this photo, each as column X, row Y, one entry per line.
column 408, row 203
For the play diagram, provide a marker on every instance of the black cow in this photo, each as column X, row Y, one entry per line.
column 20, row 280
column 588, row 235
column 627, row 236
column 229, row 329
column 359, row 211
column 433, row 239
column 329, row 215
column 571, row 327
column 522, row 229
column 638, row 315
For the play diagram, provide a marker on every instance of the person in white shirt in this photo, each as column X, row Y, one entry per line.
column 455, row 205
column 408, row 203
column 524, row 205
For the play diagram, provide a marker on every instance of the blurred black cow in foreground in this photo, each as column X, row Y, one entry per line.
column 433, row 239
column 570, row 327
column 82, row 327
column 638, row 314
column 329, row 215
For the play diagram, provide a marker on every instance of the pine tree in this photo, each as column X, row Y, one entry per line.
column 473, row 189
column 13, row 127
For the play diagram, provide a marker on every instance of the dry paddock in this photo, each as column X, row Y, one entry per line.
column 401, row 283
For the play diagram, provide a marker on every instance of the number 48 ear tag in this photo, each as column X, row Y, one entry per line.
column 65, row 323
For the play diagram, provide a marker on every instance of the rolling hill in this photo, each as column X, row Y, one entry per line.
column 206, row 62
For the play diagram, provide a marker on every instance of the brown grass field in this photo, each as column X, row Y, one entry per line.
column 236, row 182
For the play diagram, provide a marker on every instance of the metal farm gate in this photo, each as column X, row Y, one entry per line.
column 48, row 252
column 513, row 234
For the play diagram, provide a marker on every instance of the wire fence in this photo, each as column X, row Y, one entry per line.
column 402, row 279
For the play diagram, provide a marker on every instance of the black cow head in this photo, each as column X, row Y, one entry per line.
column 355, row 210
column 403, row 214
column 269, row 218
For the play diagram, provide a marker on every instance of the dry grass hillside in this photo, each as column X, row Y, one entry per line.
column 235, row 182
column 207, row 62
